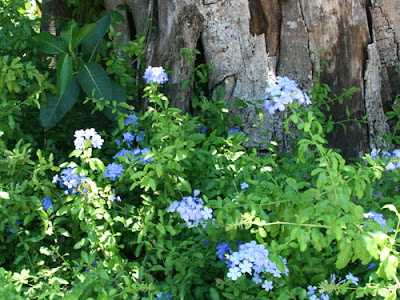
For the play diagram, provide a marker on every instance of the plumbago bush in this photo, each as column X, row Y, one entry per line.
column 161, row 205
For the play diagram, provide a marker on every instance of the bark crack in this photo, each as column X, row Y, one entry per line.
column 301, row 8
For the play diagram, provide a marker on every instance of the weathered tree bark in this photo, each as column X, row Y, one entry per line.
column 250, row 42
column 56, row 14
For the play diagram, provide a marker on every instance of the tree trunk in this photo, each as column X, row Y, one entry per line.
column 250, row 42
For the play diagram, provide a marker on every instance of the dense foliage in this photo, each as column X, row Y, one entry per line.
column 154, row 204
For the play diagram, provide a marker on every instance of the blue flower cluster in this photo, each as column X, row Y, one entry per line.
column 161, row 296
column 142, row 153
column 251, row 258
column 376, row 217
column 129, row 137
column 201, row 129
column 192, row 210
column 10, row 227
column 132, row 119
column 392, row 160
column 113, row 171
column 234, row 130
column 69, row 180
column 112, row 198
column 156, row 75
column 87, row 138
column 47, row 203
column 284, row 92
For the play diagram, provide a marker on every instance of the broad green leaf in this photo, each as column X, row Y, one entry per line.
column 161, row 228
column 58, row 106
column 64, row 73
column 94, row 81
column 90, row 47
column 345, row 253
column 82, row 35
column 118, row 95
column 51, row 44
column 214, row 294
column 68, row 32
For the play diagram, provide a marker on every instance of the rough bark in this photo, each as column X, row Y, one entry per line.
column 250, row 42
column 56, row 14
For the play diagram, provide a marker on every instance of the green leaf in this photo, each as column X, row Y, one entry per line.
column 51, row 44
column 161, row 228
column 347, row 112
column 80, row 244
column 345, row 253
column 90, row 47
column 58, row 106
column 64, row 73
column 82, row 35
column 214, row 294
column 67, row 33
column 94, row 81
column 159, row 170
column 185, row 84
column 118, row 95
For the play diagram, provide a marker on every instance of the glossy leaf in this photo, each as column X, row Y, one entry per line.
column 58, row 106
column 118, row 95
column 82, row 35
column 68, row 32
column 90, row 47
column 94, row 81
column 64, row 73
column 51, row 44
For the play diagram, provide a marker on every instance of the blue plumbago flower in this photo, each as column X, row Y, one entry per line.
column 135, row 153
column 113, row 171
column 156, row 75
column 87, row 138
column 324, row 297
column 311, row 290
column 234, row 273
column 390, row 166
column 141, row 136
column 353, row 279
column 234, row 130
column 314, row 297
column 112, row 198
column 268, row 285
column 246, row 267
column 374, row 153
column 222, row 249
column 283, row 93
column 131, row 119
column 371, row 266
column 47, row 203
column 117, row 142
column 10, row 227
column 161, row 296
column 244, row 186
column 251, row 258
column 145, row 155
column 376, row 217
column 128, row 138
column 191, row 209
column 387, row 154
column 201, row 129
column 69, row 180
column 396, row 153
